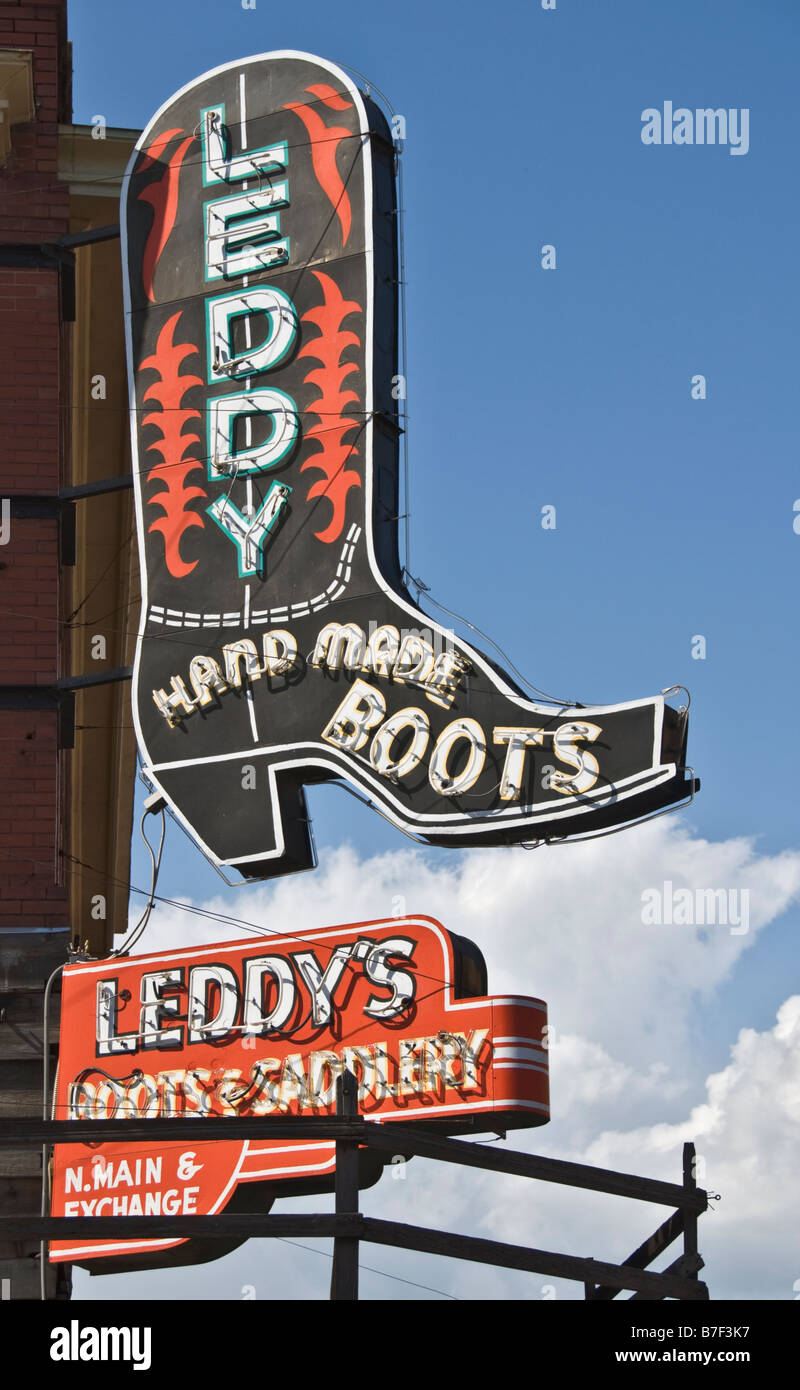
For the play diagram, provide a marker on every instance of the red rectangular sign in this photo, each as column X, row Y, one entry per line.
column 265, row 1027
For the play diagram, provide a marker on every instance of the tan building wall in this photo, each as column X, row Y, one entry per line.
column 105, row 576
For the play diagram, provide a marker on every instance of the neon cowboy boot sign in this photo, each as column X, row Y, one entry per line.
column 278, row 645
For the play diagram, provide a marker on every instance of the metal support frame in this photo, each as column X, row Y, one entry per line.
column 58, row 255
column 45, row 255
column 60, row 697
column 58, row 506
column 95, row 489
column 109, row 677
column 29, row 697
column 48, row 506
column 90, row 236
column 347, row 1227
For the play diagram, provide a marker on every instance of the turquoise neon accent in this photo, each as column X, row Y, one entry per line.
column 244, row 470
column 216, row 377
column 254, row 266
column 247, row 532
column 214, row 181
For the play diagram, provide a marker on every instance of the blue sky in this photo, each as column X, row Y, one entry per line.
column 572, row 387
column 674, row 516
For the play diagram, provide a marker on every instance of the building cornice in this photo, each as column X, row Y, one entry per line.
column 93, row 165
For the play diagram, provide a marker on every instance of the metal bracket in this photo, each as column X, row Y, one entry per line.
column 96, row 489
column 117, row 673
column 89, row 237
column 30, row 697
column 56, row 255
column 57, row 506
column 45, row 256
column 59, row 697
column 48, row 506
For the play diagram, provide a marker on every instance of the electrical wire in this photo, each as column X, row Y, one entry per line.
column 48, row 1111
column 384, row 1273
column 370, row 87
column 404, row 357
column 353, row 419
column 365, row 801
column 476, row 684
column 127, row 409
column 113, row 561
column 479, row 686
column 136, row 933
column 550, row 699
column 101, row 617
column 104, row 179
column 228, row 919
column 358, row 420
column 227, row 497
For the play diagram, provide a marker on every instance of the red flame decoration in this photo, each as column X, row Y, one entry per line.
column 169, row 390
column 333, row 424
column 162, row 194
column 325, row 141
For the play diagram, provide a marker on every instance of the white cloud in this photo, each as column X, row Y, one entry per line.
column 746, row 1131
column 746, row 1128
column 561, row 923
column 565, row 924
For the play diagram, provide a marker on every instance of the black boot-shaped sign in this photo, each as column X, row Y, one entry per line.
column 278, row 645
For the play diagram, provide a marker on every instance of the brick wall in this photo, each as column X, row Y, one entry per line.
column 33, row 205
column 34, row 346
